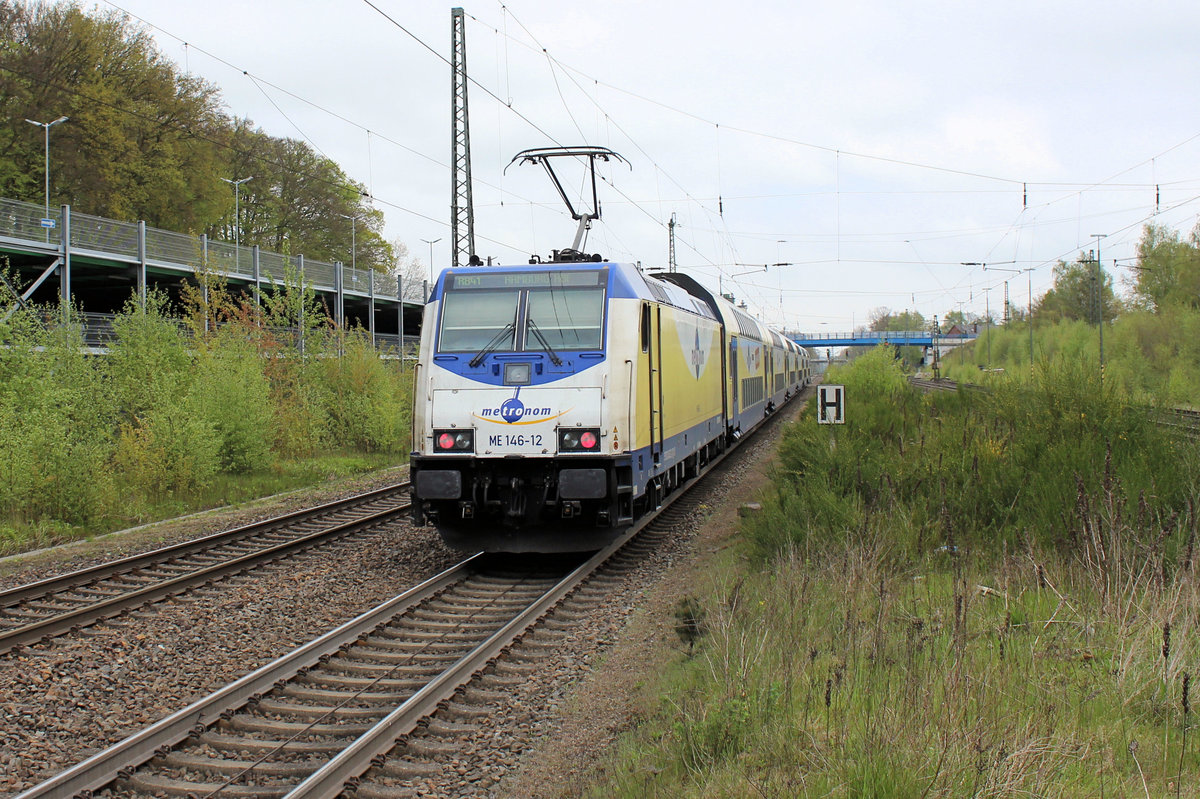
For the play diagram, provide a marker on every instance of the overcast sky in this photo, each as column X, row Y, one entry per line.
column 873, row 146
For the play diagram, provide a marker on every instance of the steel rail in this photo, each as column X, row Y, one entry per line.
column 47, row 628
column 103, row 571
column 344, row 769
column 106, row 766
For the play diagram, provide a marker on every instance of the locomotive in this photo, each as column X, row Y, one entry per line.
column 555, row 403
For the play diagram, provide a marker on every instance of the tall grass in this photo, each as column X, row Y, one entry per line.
column 953, row 595
column 161, row 423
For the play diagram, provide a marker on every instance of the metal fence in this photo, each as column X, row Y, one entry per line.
column 23, row 223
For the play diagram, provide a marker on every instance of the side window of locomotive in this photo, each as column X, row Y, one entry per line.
column 645, row 327
column 567, row 319
column 472, row 319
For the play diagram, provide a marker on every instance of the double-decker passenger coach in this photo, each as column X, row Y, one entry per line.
column 555, row 403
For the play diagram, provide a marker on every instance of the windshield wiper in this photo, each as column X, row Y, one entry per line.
column 491, row 345
column 554, row 359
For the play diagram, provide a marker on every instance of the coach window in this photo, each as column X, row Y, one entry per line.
column 645, row 327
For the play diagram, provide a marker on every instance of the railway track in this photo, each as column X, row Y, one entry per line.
column 48, row 608
column 1183, row 421
column 943, row 384
column 377, row 704
column 312, row 721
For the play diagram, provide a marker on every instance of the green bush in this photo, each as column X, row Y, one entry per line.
column 231, row 394
column 970, row 468
column 366, row 399
column 54, row 424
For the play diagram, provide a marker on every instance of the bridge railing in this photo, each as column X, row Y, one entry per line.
column 22, row 222
column 867, row 337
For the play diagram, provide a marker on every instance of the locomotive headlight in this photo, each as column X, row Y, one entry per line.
column 517, row 374
column 454, row 440
column 578, row 439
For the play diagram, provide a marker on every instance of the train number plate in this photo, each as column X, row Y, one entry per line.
column 522, row 440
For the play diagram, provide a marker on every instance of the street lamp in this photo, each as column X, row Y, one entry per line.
column 46, row 127
column 353, row 233
column 431, row 243
column 1100, row 297
column 237, row 220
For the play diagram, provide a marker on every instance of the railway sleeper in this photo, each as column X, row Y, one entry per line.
column 427, row 746
column 440, row 632
column 507, row 668
column 242, row 744
column 325, row 678
column 536, row 650
column 494, row 680
column 420, row 664
column 369, row 654
column 464, row 713
column 460, row 602
column 401, row 768
column 194, row 762
column 475, row 695
column 325, row 695
column 157, row 785
column 246, row 722
column 383, row 650
column 469, row 617
column 446, row 728
column 313, row 712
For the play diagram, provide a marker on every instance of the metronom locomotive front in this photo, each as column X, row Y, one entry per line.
column 557, row 402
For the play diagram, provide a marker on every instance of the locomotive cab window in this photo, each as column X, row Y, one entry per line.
column 472, row 319
column 566, row 319
column 523, row 312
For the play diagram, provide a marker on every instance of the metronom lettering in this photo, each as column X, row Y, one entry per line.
column 518, row 413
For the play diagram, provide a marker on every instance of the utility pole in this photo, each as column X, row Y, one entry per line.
column 671, row 245
column 237, row 220
column 1100, row 298
column 462, row 209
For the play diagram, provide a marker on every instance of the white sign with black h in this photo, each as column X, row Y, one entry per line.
column 831, row 404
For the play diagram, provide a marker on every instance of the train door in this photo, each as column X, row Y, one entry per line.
column 652, row 346
column 733, row 375
column 658, row 362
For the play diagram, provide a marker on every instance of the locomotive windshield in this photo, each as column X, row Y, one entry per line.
column 522, row 312
column 472, row 319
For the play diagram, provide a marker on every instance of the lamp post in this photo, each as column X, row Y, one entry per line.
column 237, row 221
column 431, row 243
column 353, row 234
column 46, row 127
column 1100, row 297
column 1029, row 274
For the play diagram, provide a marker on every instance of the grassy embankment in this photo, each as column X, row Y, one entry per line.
column 169, row 423
column 952, row 595
column 1153, row 357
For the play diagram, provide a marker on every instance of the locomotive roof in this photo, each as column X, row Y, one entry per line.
column 629, row 281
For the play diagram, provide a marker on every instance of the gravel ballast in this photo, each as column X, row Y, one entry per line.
column 63, row 701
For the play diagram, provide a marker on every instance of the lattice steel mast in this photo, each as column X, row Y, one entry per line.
column 462, row 209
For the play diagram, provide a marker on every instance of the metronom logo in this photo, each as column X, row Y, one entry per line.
column 513, row 410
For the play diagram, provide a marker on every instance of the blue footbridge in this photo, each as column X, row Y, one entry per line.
column 872, row 338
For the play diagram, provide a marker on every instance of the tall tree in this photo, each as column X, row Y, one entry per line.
column 1074, row 296
column 133, row 147
column 1168, row 269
